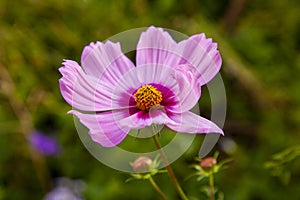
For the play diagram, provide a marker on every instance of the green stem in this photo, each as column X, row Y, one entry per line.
column 155, row 186
column 211, row 187
column 169, row 169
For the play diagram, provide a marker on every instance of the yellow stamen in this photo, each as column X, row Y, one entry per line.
column 147, row 96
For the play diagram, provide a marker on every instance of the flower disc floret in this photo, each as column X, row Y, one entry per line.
column 147, row 96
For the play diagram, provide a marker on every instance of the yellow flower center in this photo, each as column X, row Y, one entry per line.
column 147, row 96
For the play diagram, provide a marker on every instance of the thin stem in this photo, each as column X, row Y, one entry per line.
column 169, row 169
column 211, row 187
column 155, row 186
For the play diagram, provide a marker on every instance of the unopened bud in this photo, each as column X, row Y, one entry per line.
column 207, row 163
column 142, row 164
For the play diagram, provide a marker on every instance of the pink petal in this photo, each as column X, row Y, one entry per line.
column 84, row 92
column 105, row 61
column 191, row 63
column 158, row 75
column 189, row 122
column 142, row 119
column 202, row 54
column 104, row 127
column 189, row 89
column 156, row 47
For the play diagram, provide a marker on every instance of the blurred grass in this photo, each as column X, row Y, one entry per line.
column 261, row 68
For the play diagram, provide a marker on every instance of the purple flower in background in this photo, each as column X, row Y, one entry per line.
column 66, row 189
column 111, row 95
column 45, row 144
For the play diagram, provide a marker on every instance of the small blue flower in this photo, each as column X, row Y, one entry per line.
column 45, row 144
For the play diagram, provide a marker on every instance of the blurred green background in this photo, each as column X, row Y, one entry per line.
column 258, row 40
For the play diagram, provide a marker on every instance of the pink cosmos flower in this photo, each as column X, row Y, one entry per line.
column 110, row 95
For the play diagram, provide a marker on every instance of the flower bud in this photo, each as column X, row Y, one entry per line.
column 142, row 164
column 207, row 163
